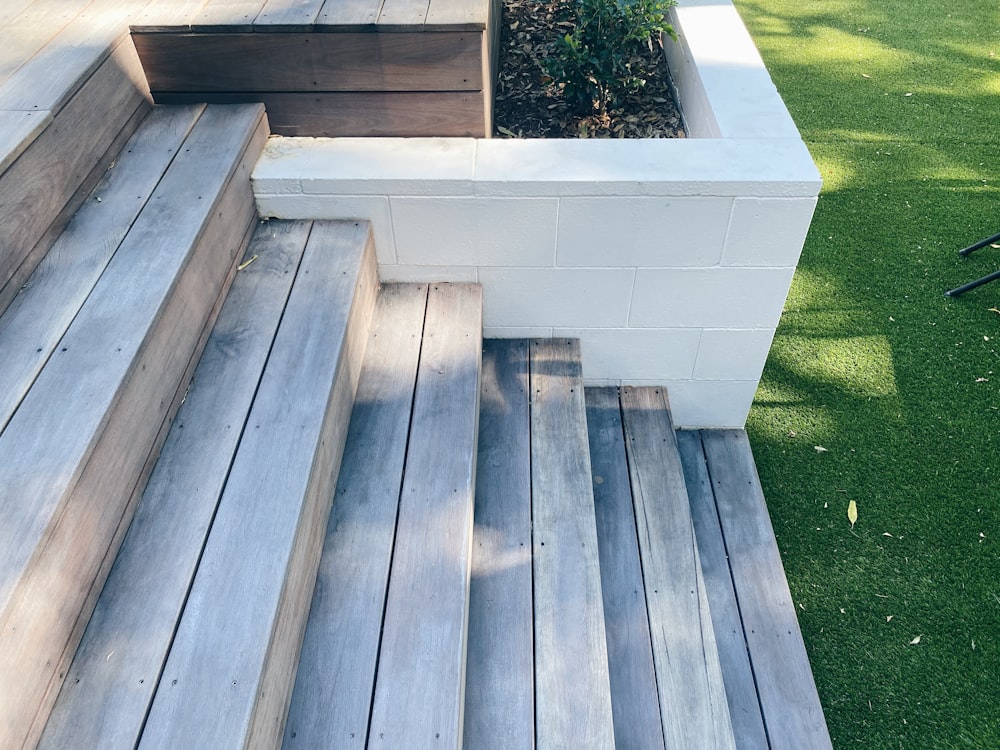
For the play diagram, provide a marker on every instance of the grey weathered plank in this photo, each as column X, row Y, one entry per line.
column 229, row 675
column 692, row 693
column 11, row 9
column 403, row 15
column 340, row 648
column 457, row 14
column 226, row 16
column 288, row 15
column 793, row 715
column 116, row 668
column 166, row 15
column 630, row 656
column 357, row 14
column 17, row 131
column 741, row 693
column 419, row 688
column 105, row 394
column 36, row 187
column 572, row 693
column 35, row 321
column 29, row 32
column 499, row 697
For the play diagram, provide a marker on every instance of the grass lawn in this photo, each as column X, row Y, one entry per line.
column 878, row 388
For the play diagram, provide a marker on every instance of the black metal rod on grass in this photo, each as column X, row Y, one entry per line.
column 972, row 248
column 973, row 284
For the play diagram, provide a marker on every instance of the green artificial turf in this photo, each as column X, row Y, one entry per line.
column 878, row 388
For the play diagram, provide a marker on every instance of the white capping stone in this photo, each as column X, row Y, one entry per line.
column 767, row 231
column 475, row 231
column 717, row 404
column 528, row 297
column 709, row 297
column 634, row 354
column 732, row 354
column 642, row 231
column 427, row 274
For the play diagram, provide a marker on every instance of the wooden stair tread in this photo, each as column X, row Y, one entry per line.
column 94, row 418
column 115, row 671
column 229, row 674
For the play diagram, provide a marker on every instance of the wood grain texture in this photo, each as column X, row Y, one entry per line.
column 793, row 715
column 419, row 689
column 445, row 61
column 10, row 10
column 499, row 690
column 288, row 15
column 572, row 688
column 693, row 705
column 360, row 113
column 457, row 14
column 741, row 692
column 29, row 31
column 116, row 668
column 356, row 15
column 166, row 15
column 630, row 655
column 37, row 318
column 106, row 395
column 403, row 15
column 226, row 16
column 340, row 648
column 17, row 131
column 228, row 678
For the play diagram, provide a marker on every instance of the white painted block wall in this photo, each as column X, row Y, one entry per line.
column 669, row 259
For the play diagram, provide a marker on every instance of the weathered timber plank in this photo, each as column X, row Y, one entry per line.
column 349, row 15
column 35, row 321
column 403, row 15
column 10, row 10
column 419, row 688
column 229, row 675
column 36, row 187
column 226, row 16
column 793, row 715
column 452, row 14
column 331, row 703
column 166, row 15
column 17, row 131
column 293, row 62
column 360, row 113
column 741, row 693
column 116, row 668
column 630, row 654
column 572, row 687
column 106, row 394
column 499, row 688
column 288, row 15
column 693, row 705
column 30, row 31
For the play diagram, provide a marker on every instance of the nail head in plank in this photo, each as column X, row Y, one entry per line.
column 340, row 648
column 741, row 692
column 349, row 14
column 630, row 654
column 116, row 668
column 793, row 714
column 419, row 690
column 572, row 693
column 693, row 705
column 499, row 689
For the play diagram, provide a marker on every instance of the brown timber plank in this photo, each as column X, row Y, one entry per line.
column 116, row 668
column 106, row 394
column 792, row 712
column 630, row 654
column 693, row 706
column 39, row 315
column 419, row 688
column 288, row 15
column 741, row 693
column 340, row 648
column 499, row 690
column 572, row 687
column 349, row 15
column 229, row 675
column 17, row 131
column 294, row 62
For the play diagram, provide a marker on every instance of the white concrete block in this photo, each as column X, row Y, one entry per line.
column 732, row 354
column 709, row 298
column 427, row 274
column 571, row 297
column 513, row 332
column 718, row 404
column 767, row 231
column 632, row 354
column 639, row 231
column 374, row 208
column 475, row 231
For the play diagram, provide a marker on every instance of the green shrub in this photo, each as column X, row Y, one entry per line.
column 606, row 56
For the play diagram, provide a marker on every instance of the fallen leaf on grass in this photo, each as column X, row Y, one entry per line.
column 820, row 449
column 888, row 618
column 852, row 513
column 865, row 75
column 915, row 641
column 993, row 309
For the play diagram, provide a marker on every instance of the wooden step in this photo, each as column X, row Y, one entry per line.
column 549, row 685
column 76, row 452
column 229, row 674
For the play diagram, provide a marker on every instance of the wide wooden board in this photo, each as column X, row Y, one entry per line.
column 288, row 15
column 29, row 31
column 419, row 689
column 572, row 687
column 499, row 688
column 630, row 655
column 331, row 703
column 116, row 669
column 792, row 711
column 17, row 131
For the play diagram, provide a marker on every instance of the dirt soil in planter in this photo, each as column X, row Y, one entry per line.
column 529, row 105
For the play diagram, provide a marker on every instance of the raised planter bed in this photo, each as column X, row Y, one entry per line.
column 670, row 259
